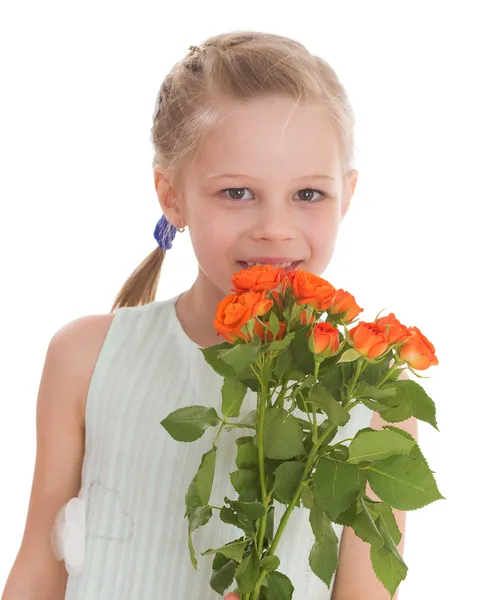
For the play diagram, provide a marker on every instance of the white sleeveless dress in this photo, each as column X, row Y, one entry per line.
column 135, row 476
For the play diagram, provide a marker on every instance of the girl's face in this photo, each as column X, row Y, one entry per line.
column 265, row 187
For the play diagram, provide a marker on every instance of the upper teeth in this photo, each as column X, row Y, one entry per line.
column 275, row 266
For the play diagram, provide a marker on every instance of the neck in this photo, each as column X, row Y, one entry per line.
column 196, row 310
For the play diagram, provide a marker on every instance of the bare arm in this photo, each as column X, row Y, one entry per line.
column 355, row 578
column 69, row 363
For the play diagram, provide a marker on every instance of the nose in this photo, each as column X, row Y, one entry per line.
column 273, row 222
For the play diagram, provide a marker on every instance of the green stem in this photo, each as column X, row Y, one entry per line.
column 317, row 363
column 360, row 362
column 341, row 441
column 261, row 459
column 290, row 508
column 388, row 374
column 281, row 397
column 239, row 425
column 219, row 432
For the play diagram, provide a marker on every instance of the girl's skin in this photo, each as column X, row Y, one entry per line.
column 272, row 149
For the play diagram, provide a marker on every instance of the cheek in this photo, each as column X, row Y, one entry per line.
column 214, row 239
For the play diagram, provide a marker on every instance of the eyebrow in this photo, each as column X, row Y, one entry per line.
column 243, row 176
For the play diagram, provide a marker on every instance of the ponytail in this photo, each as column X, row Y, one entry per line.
column 141, row 286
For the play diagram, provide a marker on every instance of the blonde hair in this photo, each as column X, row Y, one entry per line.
column 242, row 66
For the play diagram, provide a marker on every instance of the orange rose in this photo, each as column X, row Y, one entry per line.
column 369, row 339
column 310, row 289
column 235, row 310
column 395, row 331
column 418, row 351
column 343, row 301
column 260, row 330
column 324, row 338
column 257, row 279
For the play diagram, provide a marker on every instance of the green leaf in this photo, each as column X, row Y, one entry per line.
column 205, row 476
column 240, row 356
column 252, row 510
column 323, row 558
column 387, row 396
column 376, row 445
column 270, row 563
column 233, row 392
column 230, row 517
column 279, row 587
column 219, row 366
column 416, row 452
column 364, row 526
column 348, row 516
column 413, row 401
column 281, row 344
column 287, row 478
column 283, row 437
column 374, row 371
column 247, row 573
column 339, row 452
column 388, row 568
column 321, row 430
column 246, row 482
column 283, row 363
column 198, row 493
column 274, row 325
column 394, row 414
column 320, row 397
column 198, row 517
column 189, row 423
column 303, row 357
column 242, row 514
column 332, row 378
column 233, row 550
column 387, row 519
column 219, row 561
column 349, row 355
column 336, row 486
column 404, row 482
column 423, row 407
column 247, row 452
column 223, row 577
column 307, row 497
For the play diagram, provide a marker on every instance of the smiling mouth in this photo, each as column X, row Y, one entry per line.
column 287, row 266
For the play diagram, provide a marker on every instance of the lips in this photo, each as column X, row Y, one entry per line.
column 277, row 263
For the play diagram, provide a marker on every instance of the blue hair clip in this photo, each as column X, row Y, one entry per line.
column 165, row 232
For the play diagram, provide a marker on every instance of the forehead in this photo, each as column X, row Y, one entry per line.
column 266, row 136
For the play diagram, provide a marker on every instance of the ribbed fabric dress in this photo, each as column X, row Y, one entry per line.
column 135, row 476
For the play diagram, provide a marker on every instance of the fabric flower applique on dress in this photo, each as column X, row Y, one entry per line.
column 68, row 535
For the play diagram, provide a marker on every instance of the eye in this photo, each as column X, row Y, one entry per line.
column 308, row 195
column 236, row 193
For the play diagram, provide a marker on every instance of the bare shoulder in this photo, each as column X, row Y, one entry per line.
column 76, row 347
column 70, row 359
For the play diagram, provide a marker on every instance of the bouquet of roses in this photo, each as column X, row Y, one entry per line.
column 287, row 340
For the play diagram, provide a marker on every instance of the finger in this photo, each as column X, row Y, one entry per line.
column 231, row 597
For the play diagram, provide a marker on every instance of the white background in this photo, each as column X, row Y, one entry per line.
column 78, row 208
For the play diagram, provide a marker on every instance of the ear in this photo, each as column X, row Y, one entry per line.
column 350, row 183
column 169, row 197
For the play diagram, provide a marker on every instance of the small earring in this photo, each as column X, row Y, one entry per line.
column 180, row 229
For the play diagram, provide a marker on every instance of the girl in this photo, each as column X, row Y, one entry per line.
column 254, row 144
